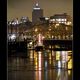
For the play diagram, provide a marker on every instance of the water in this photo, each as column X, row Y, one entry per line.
column 42, row 65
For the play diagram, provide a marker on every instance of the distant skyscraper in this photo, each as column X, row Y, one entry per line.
column 36, row 13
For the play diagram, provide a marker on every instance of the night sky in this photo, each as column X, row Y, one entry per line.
column 19, row 8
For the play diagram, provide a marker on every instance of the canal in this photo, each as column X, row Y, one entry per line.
column 41, row 65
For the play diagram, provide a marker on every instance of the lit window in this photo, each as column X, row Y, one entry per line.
column 53, row 19
column 65, row 20
column 46, row 18
column 62, row 22
column 62, row 19
column 59, row 22
column 59, row 19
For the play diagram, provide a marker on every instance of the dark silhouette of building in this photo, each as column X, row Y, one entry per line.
column 36, row 13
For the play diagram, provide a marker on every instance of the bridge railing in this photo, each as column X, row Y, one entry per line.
column 60, row 38
column 23, row 38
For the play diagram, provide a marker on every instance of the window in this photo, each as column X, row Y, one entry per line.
column 62, row 19
column 59, row 19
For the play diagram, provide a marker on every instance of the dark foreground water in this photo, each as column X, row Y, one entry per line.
column 40, row 66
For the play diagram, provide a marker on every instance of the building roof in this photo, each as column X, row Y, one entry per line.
column 37, row 7
column 59, row 16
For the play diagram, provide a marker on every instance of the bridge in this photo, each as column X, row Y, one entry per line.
column 57, row 42
column 50, row 44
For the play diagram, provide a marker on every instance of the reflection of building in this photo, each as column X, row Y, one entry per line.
column 61, row 18
column 36, row 14
column 64, row 59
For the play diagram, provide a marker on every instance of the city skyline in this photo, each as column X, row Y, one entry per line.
column 19, row 8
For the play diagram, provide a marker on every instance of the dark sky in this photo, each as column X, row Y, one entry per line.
column 19, row 8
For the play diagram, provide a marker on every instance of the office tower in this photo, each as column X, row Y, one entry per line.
column 36, row 13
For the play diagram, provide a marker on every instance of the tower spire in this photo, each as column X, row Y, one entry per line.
column 36, row 6
column 36, row 2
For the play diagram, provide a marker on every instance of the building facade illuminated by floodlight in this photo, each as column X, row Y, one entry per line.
column 61, row 19
column 24, row 19
column 36, row 13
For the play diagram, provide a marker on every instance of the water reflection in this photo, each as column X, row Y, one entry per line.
column 39, row 61
column 62, row 75
column 39, row 75
column 44, row 65
column 46, row 75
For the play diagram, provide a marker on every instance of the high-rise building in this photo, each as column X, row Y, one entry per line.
column 36, row 13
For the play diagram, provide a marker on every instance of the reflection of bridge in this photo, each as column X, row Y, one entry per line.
column 58, row 44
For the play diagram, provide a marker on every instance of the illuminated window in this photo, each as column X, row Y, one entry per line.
column 62, row 22
column 65, row 19
column 59, row 22
column 53, row 19
column 62, row 19
column 59, row 19
column 46, row 18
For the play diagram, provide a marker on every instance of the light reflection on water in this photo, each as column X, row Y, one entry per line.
column 39, row 66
